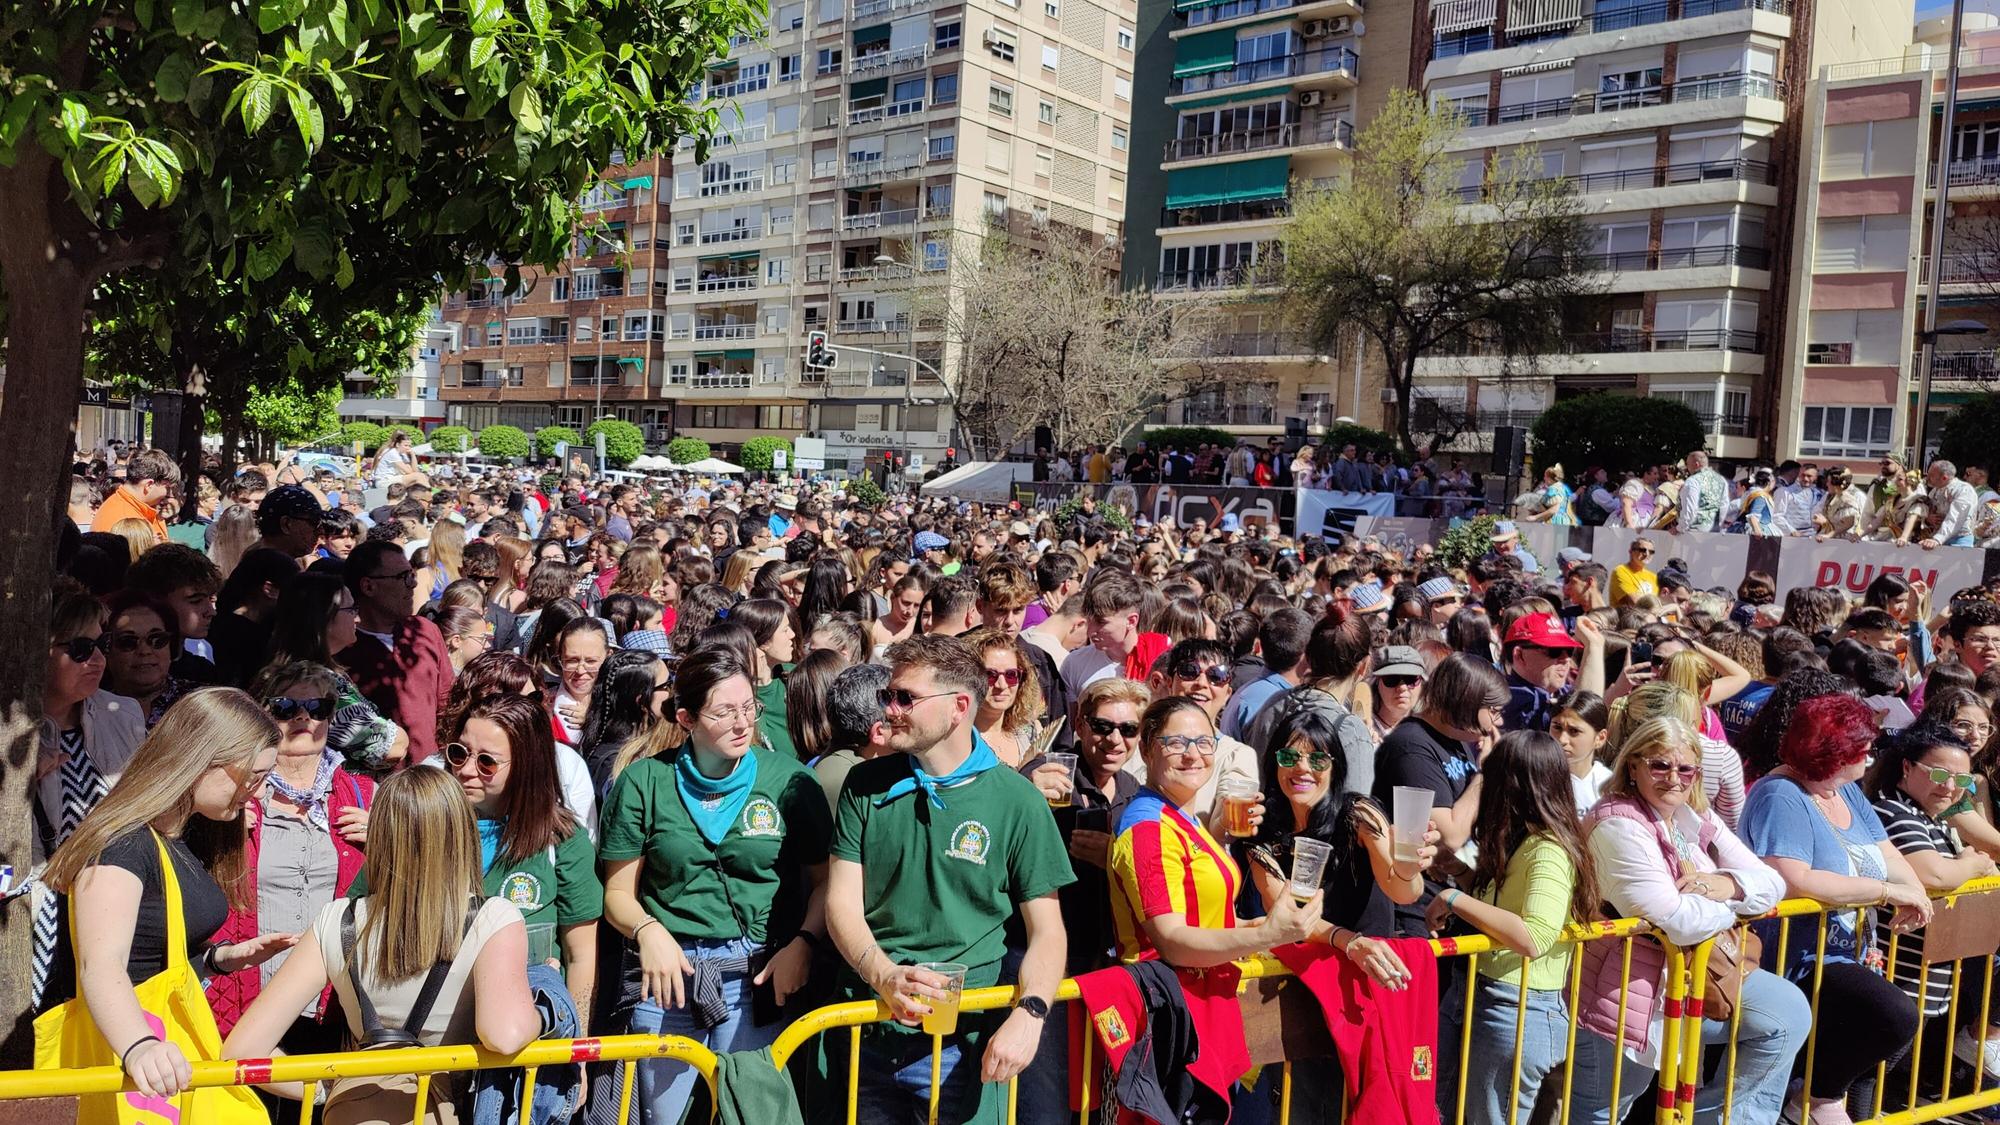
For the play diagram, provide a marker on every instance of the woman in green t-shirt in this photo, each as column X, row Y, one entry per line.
column 715, row 858
column 774, row 640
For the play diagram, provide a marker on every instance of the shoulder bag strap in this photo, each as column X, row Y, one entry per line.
column 427, row 999
column 170, row 889
column 371, row 1024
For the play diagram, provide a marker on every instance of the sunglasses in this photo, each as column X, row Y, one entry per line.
column 994, row 677
column 1217, row 674
column 457, row 754
column 1941, row 776
column 1660, row 767
column 284, row 708
column 1645, row 552
column 406, row 577
column 1399, row 681
column 130, row 642
column 81, row 649
column 902, row 699
column 1288, row 758
column 1103, row 728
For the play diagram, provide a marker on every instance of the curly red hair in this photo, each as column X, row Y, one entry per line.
column 1827, row 734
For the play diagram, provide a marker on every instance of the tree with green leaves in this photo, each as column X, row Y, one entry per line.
column 1971, row 432
column 369, row 435
column 1391, row 254
column 452, row 439
column 504, row 442
column 685, row 450
column 1616, row 431
column 141, row 135
column 756, row 453
column 548, row 437
column 623, row 441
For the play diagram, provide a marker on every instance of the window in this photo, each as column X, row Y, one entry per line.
column 831, row 10
column 996, row 205
column 784, row 169
column 1121, row 88
column 1039, row 214
column 677, row 372
column 1869, row 148
column 1000, row 153
column 1000, row 99
column 1115, row 193
column 1045, row 112
column 948, row 35
column 944, row 146
column 559, row 289
column 1051, row 55
column 937, row 199
column 1045, row 164
column 1052, row 8
column 935, row 255
column 785, row 117
column 1843, row 336
column 1121, row 138
column 1874, row 242
column 1125, row 38
column 493, row 334
column 1002, row 43
column 788, row 68
column 791, row 17
column 778, row 271
column 1851, row 432
column 944, row 88
column 829, row 60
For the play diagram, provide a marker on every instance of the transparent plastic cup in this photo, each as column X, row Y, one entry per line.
column 943, row 1017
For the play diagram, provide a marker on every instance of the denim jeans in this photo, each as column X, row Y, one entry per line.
column 496, row 1094
column 895, row 1087
column 1776, row 1017
column 1959, row 540
column 1490, row 1070
column 665, row 1085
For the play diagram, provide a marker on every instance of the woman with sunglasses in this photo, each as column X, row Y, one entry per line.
column 715, row 867
column 1663, row 854
column 1396, row 685
column 142, row 636
column 1008, row 716
column 1920, row 774
column 303, row 848
column 180, row 802
column 317, row 619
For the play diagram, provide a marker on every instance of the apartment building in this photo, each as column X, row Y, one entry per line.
column 1869, row 186
column 1679, row 123
column 1260, row 99
column 863, row 148
column 414, row 399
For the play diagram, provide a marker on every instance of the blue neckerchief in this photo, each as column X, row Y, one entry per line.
column 714, row 802
column 490, row 832
column 979, row 761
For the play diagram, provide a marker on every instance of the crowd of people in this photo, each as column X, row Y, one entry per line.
column 526, row 756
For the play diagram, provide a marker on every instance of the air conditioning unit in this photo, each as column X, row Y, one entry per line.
column 1311, row 98
column 1340, row 25
column 991, row 37
column 1388, row 396
column 1315, row 29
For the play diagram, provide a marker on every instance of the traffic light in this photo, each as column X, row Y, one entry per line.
column 819, row 356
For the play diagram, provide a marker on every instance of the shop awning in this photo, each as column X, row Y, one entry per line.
column 1205, row 53
column 1239, row 182
column 639, row 182
column 637, row 361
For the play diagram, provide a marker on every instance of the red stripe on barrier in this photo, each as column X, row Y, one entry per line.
column 1694, row 1008
column 1687, row 1093
column 1447, row 947
column 1673, row 1007
column 586, row 1050
column 1665, row 1097
column 253, row 1072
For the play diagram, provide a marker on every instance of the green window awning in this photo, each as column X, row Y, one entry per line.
column 639, row 182
column 871, row 33
column 1263, row 95
column 1239, row 182
column 740, row 353
column 708, row 355
column 746, row 255
column 1205, row 53
column 872, row 88
column 633, row 361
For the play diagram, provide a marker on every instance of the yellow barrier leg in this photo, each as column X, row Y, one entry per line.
column 1520, row 1046
column 937, row 1065
column 528, row 1092
column 306, row 1103
column 1285, row 1096
column 423, row 1096
column 1625, row 977
column 625, row 1083
column 1569, row 1052
column 1812, row 1039
column 853, row 1076
column 1735, row 1031
column 1465, row 1033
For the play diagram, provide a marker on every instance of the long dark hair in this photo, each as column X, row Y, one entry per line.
column 536, row 816
column 1766, row 731
column 806, row 693
column 699, row 608
column 826, row 584
column 1333, row 819
column 544, row 651
column 305, row 609
column 1896, row 749
column 620, row 704
column 1527, row 793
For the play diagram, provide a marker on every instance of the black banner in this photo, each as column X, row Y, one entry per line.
column 1183, row 503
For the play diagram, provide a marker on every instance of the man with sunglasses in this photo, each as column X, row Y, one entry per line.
column 288, row 520
column 1634, row 579
column 1544, row 664
column 398, row 660
column 935, row 849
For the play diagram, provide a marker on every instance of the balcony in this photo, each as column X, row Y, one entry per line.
column 725, row 283
column 735, row 185
column 1244, row 9
column 1305, row 64
column 1981, row 170
column 879, row 168
column 1254, row 211
column 1668, row 340
column 903, row 58
column 711, row 379
column 1331, row 131
column 1257, row 345
column 485, row 380
column 1967, row 367
column 731, row 234
column 725, row 331
column 1213, row 414
column 1632, row 179
column 740, row 87
column 898, row 323
column 869, row 9
column 1964, row 269
column 1693, row 257
column 876, row 220
column 1223, row 277
column 1701, row 88
column 1621, row 17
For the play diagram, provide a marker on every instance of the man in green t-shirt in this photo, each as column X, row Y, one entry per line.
column 935, row 848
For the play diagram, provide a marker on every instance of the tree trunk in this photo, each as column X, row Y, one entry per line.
column 47, row 290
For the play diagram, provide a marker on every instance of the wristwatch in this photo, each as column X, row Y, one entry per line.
column 1034, row 1006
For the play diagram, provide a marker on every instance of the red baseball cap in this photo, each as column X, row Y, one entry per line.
column 1543, row 630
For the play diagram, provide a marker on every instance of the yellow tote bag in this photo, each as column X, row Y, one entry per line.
column 177, row 1011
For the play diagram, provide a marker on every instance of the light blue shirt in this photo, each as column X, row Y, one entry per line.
column 1243, row 709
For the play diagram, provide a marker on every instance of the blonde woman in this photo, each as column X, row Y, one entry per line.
column 1008, row 714
column 1721, row 767
column 138, row 536
column 424, row 880
column 1558, row 501
column 234, row 529
column 1906, row 513
column 180, row 797
column 444, row 557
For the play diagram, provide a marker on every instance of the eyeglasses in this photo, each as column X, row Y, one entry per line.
column 901, row 699
column 1288, row 758
column 284, row 708
column 1103, row 728
column 1394, row 682
column 457, row 754
column 1551, row 653
column 407, row 577
column 81, row 649
column 581, row 663
column 1660, row 767
column 1973, row 733
column 130, row 642
column 748, row 712
column 1217, row 674
column 1646, row 551
column 1941, row 776
column 994, row 676
column 1181, row 744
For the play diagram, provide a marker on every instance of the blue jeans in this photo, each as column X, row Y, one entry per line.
column 496, row 1094
column 665, row 1085
column 1959, row 540
column 1489, row 1074
column 895, row 1087
column 1776, row 1017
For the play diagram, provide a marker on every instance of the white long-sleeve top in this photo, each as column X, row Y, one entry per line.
column 1954, row 505
column 1794, row 505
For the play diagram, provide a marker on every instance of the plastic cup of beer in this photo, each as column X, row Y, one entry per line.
column 1309, row 859
column 943, row 1017
column 1412, row 820
column 1238, row 798
column 1068, row 763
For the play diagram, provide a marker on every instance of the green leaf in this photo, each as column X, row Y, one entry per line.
column 306, row 113
column 538, row 15
column 526, row 105
column 262, row 261
column 148, row 179
column 14, row 118
column 399, row 194
column 142, row 13
column 426, row 58
column 271, row 15
column 460, row 213
column 480, row 51
column 486, row 14
column 171, row 80
column 343, row 272
column 210, row 25
column 257, row 102
column 186, row 12
column 72, row 117
column 112, row 162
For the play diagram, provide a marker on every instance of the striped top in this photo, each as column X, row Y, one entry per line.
column 1164, row 862
column 1913, row 830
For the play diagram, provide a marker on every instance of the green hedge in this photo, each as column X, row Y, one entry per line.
column 504, row 442
column 445, row 439
column 756, row 453
column 368, row 434
column 623, row 441
column 548, row 437
column 1617, row 432
column 1186, row 438
column 686, row 450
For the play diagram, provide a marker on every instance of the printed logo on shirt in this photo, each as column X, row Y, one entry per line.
column 760, row 818
column 1111, row 1028
column 522, row 889
column 1421, row 1068
column 970, row 841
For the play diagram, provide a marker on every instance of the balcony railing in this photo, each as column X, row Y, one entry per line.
column 1327, row 60
column 1225, row 277
column 1668, row 340
column 740, row 87
column 1700, row 88
column 726, row 283
column 734, row 185
column 1256, row 210
column 1257, row 344
column 874, row 220
column 732, row 234
column 483, row 381
column 856, row 171
column 1747, row 257
column 1620, row 17
column 1963, row 268
column 1979, row 170
column 608, row 377
column 1653, row 176
column 1238, row 9
column 725, row 331
column 867, row 9
column 1979, row 366
column 898, row 323
column 721, row 380
column 902, row 58
column 1214, row 414
column 1288, row 135
column 866, row 114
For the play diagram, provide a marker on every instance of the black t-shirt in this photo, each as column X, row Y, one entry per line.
column 203, row 907
column 1419, row 755
column 1093, row 942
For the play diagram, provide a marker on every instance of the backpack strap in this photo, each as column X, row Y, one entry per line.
column 372, row 1030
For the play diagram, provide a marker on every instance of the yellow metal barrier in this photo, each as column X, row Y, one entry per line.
column 421, row 1061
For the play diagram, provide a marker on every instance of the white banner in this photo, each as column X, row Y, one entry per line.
column 1713, row 558
column 1850, row 567
column 1321, row 512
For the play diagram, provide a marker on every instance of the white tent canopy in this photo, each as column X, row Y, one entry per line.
column 988, row 482
column 712, row 465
